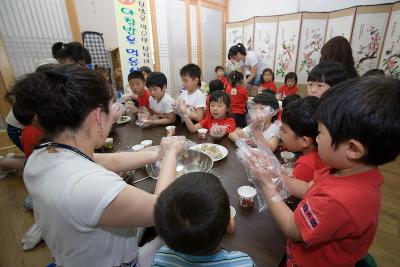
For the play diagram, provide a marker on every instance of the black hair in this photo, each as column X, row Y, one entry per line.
column 220, row 95
column 235, row 77
column 267, row 99
column 288, row 99
column 291, row 75
column 215, row 85
column 269, row 91
column 136, row 75
column 299, row 115
column 365, row 109
column 264, row 71
column 145, row 69
column 374, row 72
column 62, row 97
column 156, row 79
column 329, row 72
column 217, row 68
column 74, row 50
column 191, row 70
column 192, row 214
column 234, row 50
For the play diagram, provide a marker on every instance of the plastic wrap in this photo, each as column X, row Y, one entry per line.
column 218, row 131
column 259, row 114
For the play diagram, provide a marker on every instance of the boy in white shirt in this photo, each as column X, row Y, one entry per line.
column 160, row 101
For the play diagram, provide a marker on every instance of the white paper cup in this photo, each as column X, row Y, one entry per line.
column 109, row 143
column 287, row 156
column 233, row 212
column 146, row 143
column 137, row 147
column 202, row 132
column 246, row 196
column 170, row 129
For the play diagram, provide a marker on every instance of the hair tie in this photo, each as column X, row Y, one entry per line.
column 56, row 76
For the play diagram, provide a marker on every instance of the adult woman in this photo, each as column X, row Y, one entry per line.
column 85, row 211
column 251, row 65
column 71, row 53
column 338, row 49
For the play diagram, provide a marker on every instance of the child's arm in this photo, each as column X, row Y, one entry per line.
column 296, row 187
column 189, row 124
column 197, row 114
column 272, row 143
column 252, row 75
column 235, row 135
column 169, row 118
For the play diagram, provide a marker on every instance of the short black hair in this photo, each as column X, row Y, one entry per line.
column 269, row 91
column 156, row 79
column 235, row 77
column 73, row 50
column 235, row 49
column 191, row 70
column 217, row 68
column 145, row 69
column 215, row 85
column 329, row 72
column 374, row 72
column 291, row 75
column 192, row 214
column 264, row 71
column 136, row 75
column 365, row 109
column 267, row 99
column 289, row 99
column 299, row 115
column 220, row 95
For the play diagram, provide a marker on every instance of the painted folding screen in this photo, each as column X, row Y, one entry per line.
column 340, row 23
column 265, row 31
column 248, row 34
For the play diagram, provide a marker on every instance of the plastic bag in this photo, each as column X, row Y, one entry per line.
column 259, row 114
column 262, row 161
column 218, row 131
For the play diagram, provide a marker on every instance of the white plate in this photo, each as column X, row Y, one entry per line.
column 123, row 119
column 222, row 150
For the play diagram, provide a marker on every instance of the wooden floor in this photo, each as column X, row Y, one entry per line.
column 15, row 220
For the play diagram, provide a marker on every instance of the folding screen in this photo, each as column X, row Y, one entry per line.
column 265, row 30
column 234, row 34
column 248, row 34
column 340, row 23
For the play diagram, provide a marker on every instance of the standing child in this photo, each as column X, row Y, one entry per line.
column 238, row 97
column 289, row 88
column 220, row 71
column 193, row 229
column 267, row 80
column 336, row 221
column 141, row 94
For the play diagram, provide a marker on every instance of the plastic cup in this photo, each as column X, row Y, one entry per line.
column 146, row 143
column 246, row 196
column 109, row 143
column 137, row 147
column 287, row 156
column 170, row 130
column 202, row 132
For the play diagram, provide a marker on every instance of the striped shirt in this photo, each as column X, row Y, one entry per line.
column 166, row 257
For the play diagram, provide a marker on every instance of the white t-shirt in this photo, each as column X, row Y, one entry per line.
column 11, row 120
column 195, row 100
column 273, row 130
column 252, row 59
column 164, row 106
column 70, row 193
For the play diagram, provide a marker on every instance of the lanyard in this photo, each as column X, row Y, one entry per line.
column 64, row 146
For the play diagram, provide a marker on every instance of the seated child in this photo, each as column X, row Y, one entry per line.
column 185, row 225
column 238, row 96
column 378, row 72
column 289, row 87
column 160, row 101
column 192, row 96
column 269, row 135
column 323, row 76
column 285, row 102
column 298, row 132
column 267, row 80
column 335, row 223
column 141, row 94
column 214, row 85
column 145, row 71
column 219, row 108
column 220, row 72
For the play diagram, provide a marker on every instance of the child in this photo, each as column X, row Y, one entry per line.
column 238, row 97
column 269, row 135
column 219, row 108
column 289, row 88
column 160, row 101
column 336, row 221
column 323, row 76
column 286, row 102
column 267, row 80
column 299, row 130
column 137, row 85
column 193, row 97
column 145, row 71
column 220, row 72
column 374, row 72
column 193, row 229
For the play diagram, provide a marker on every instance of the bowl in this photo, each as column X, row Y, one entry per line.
column 190, row 161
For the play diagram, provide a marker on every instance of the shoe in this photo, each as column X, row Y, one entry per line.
column 32, row 237
column 4, row 173
column 28, row 203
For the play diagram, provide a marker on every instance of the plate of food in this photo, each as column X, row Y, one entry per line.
column 216, row 152
column 123, row 119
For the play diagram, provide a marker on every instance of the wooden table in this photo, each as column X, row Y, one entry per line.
column 256, row 233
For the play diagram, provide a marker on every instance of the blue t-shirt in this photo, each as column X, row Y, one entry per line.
column 166, row 257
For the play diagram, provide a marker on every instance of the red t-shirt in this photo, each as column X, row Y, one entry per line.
column 337, row 219
column 268, row 85
column 239, row 98
column 286, row 91
column 306, row 165
column 30, row 138
column 143, row 100
column 208, row 121
column 224, row 80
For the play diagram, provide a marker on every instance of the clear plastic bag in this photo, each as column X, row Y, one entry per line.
column 259, row 114
column 218, row 131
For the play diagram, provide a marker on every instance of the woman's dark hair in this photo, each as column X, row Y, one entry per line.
column 191, row 70
column 145, row 69
column 289, row 99
column 193, row 213
column 267, row 99
column 62, row 97
column 234, row 50
column 156, row 79
column 339, row 49
column 291, row 75
column 329, row 72
column 374, row 72
column 264, row 71
column 215, row 85
column 299, row 115
column 365, row 109
column 220, row 96
column 235, row 77
column 136, row 75
column 74, row 50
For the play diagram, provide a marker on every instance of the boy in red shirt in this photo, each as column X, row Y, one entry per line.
column 289, row 87
column 238, row 97
column 298, row 132
column 220, row 72
column 336, row 221
column 141, row 94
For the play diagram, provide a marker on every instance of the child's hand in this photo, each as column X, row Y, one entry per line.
column 130, row 106
column 146, row 123
column 218, row 131
column 116, row 111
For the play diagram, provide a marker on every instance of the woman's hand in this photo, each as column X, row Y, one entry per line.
column 172, row 144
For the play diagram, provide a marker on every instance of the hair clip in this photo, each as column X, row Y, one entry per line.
column 56, row 76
